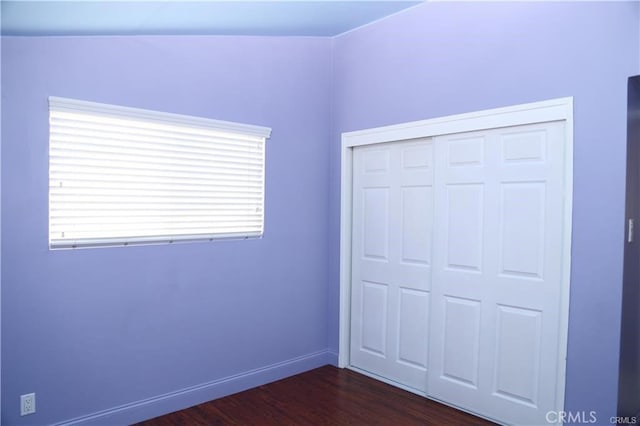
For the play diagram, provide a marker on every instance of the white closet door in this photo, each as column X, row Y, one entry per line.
column 497, row 271
column 391, row 255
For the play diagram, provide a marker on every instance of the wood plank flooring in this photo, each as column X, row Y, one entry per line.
column 324, row 396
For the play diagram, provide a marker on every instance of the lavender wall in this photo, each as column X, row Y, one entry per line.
column 446, row 58
column 93, row 329
column 142, row 330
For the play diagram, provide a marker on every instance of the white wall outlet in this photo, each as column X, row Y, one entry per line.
column 27, row 404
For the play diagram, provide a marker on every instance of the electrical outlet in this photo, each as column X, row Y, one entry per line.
column 27, row 404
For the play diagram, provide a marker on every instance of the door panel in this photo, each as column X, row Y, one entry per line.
column 376, row 221
column 417, row 205
column 517, row 364
column 522, row 231
column 374, row 318
column 461, row 341
column 391, row 277
column 464, row 227
column 412, row 330
column 497, row 271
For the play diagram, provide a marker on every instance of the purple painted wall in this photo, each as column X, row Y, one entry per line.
column 447, row 58
column 142, row 330
column 93, row 329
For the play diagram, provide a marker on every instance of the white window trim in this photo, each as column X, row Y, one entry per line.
column 75, row 105
column 58, row 104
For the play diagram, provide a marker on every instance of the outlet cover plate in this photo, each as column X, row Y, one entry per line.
column 27, row 404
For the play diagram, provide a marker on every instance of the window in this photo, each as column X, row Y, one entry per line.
column 124, row 175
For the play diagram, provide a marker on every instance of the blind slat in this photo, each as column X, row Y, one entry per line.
column 140, row 167
column 143, row 175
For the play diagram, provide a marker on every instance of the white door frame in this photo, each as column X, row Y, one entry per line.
column 538, row 112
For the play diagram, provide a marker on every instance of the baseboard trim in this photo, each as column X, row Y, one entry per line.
column 332, row 358
column 188, row 397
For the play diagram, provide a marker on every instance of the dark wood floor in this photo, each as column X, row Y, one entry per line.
column 324, row 396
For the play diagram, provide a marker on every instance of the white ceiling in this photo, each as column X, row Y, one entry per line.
column 323, row 18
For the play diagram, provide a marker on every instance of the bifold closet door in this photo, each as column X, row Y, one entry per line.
column 497, row 271
column 391, row 260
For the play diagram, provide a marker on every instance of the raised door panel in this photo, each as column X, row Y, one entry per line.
column 518, row 351
column 461, row 341
column 522, row 223
column 373, row 304
column 464, row 229
column 375, row 215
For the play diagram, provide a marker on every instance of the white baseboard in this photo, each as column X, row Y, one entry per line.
column 188, row 397
column 332, row 358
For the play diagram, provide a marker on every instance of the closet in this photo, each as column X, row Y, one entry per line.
column 458, row 272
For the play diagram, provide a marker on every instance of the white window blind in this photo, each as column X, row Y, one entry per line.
column 122, row 175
